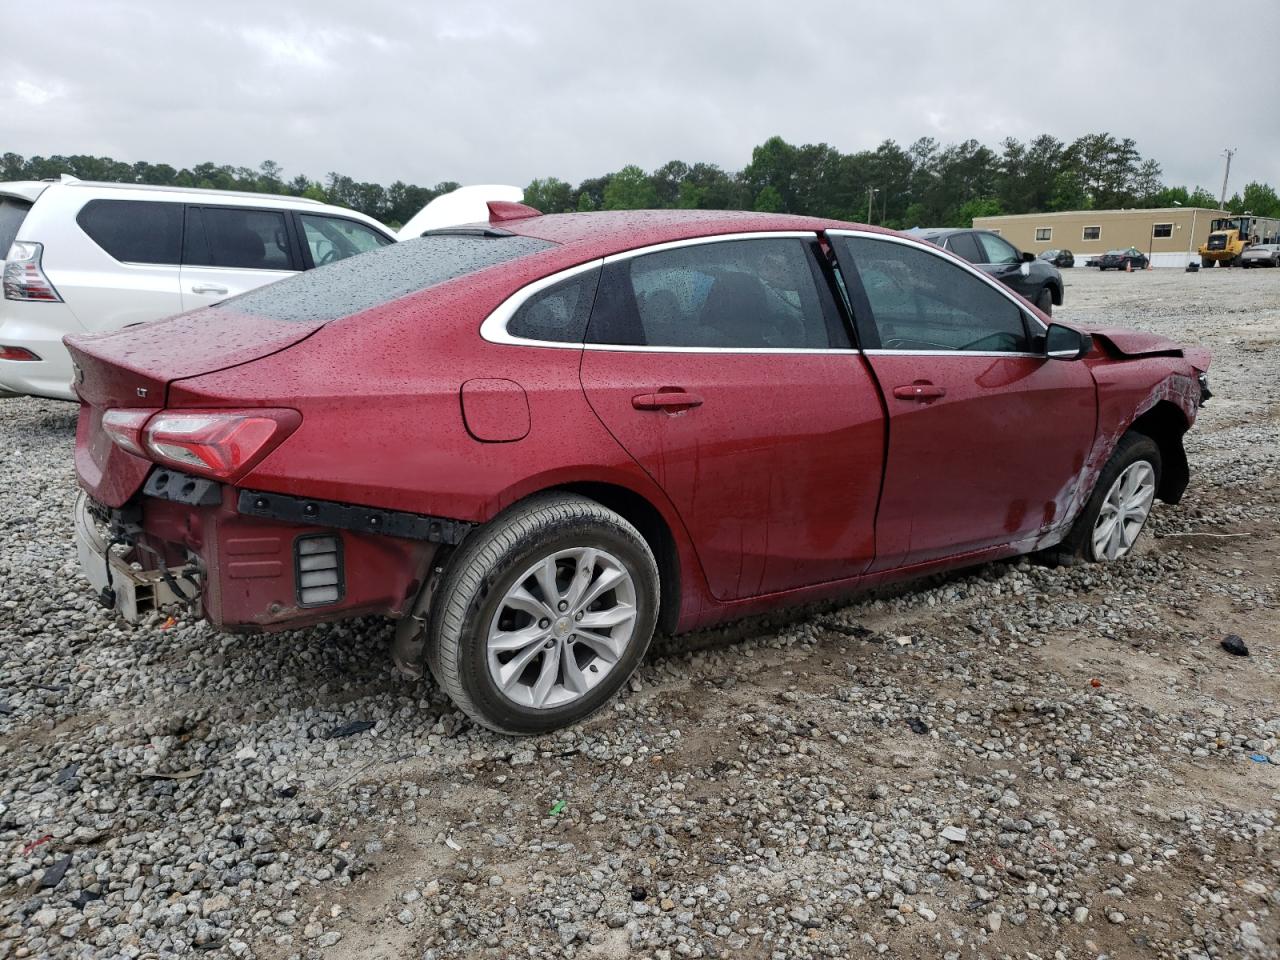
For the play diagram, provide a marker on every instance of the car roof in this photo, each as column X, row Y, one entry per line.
column 33, row 189
column 592, row 235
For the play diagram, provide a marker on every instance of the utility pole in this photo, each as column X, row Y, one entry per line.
column 1222, row 202
column 871, row 195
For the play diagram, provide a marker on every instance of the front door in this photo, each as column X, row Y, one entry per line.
column 987, row 437
column 723, row 368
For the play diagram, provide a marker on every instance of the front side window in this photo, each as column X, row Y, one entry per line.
column 135, row 231
column 239, row 237
column 333, row 238
column 995, row 250
column 1161, row 231
column 733, row 294
column 920, row 301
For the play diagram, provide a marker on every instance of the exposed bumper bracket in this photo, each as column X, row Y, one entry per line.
column 342, row 516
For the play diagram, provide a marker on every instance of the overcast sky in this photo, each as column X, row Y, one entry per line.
column 504, row 92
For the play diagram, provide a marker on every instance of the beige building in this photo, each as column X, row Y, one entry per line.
column 1168, row 235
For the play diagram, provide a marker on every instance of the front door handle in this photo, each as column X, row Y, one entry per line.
column 208, row 288
column 921, row 390
column 670, row 400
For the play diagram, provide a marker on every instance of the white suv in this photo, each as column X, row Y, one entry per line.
column 98, row 256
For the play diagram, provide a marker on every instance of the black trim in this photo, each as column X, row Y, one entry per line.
column 297, row 569
column 182, row 488
column 342, row 516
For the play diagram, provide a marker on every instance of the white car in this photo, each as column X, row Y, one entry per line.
column 87, row 257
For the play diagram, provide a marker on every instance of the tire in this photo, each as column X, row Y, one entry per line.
column 1205, row 263
column 567, row 535
column 1044, row 300
column 1079, row 544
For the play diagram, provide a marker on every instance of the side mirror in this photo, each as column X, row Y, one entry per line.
column 1063, row 343
column 1028, row 258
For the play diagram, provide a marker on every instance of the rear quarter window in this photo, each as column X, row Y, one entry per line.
column 135, row 231
column 12, row 212
column 380, row 276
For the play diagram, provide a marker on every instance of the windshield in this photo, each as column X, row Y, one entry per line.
column 380, row 276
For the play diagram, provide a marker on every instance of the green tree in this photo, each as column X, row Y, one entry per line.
column 549, row 195
column 768, row 200
column 1260, row 199
column 989, row 207
column 630, row 189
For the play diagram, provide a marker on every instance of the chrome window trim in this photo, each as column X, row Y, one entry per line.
column 955, row 261
column 494, row 327
column 953, row 353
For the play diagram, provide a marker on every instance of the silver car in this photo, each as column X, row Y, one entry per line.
column 1261, row 255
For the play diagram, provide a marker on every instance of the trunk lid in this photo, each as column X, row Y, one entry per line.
column 133, row 368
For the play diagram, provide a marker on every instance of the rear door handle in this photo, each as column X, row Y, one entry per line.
column 207, row 288
column 672, row 400
column 921, row 390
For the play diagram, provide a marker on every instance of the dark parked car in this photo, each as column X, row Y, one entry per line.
column 1261, row 255
column 1123, row 259
column 1038, row 281
column 1059, row 258
column 534, row 440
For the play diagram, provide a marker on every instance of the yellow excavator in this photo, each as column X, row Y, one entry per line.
column 1229, row 236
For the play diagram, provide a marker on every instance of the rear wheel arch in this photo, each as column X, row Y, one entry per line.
column 637, row 510
column 1165, row 424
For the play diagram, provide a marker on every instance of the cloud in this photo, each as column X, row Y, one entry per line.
column 494, row 91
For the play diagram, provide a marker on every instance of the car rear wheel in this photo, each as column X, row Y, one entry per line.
column 1044, row 300
column 1117, row 511
column 543, row 615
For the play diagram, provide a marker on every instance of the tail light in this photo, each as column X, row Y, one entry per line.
column 217, row 443
column 16, row 353
column 24, row 278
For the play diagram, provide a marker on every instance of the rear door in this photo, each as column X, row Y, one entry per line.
column 987, row 437
column 723, row 368
column 230, row 250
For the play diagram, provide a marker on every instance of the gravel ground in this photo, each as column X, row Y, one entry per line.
column 1012, row 761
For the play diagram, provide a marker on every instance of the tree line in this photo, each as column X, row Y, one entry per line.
column 924, row 184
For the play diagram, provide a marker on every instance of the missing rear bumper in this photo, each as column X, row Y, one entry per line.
column 132, row 593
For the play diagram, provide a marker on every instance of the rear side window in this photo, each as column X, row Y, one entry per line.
column 238, row 237
column 135, row 231
column 737, row 294
column 370, row 279
column 12, row 212
column 558, row 314
column 963, row 245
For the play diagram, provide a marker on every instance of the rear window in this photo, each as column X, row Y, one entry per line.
column 135, row 231
column 380, row 276
column 12, row 213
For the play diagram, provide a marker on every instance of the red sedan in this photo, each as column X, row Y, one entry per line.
column 534, row 441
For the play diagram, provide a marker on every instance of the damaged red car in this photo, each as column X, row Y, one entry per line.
column 537, row 439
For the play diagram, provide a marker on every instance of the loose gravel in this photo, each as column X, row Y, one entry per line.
column 1011, row 761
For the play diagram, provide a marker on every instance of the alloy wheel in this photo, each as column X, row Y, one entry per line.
column 562, row 626
column 1124, row 511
